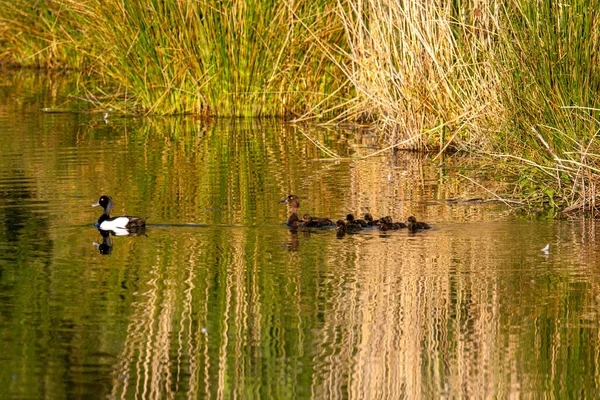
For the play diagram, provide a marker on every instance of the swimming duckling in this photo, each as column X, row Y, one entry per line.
column 414, row 225
column 293, row 203
column 342, row 227
column 106, row 223
column 370, row 221
column 386, row 224
column 353, row 221
column 314, row 222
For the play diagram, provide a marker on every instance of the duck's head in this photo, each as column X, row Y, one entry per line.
column 412, row 219
column 340, row 224
column 350, row 218
column 292, row 200
column 105, row 202
column 368, row 217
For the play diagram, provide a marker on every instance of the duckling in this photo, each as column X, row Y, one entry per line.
column 106, row 223
column 342, row 227
column 314, row 222
column 353, row 221
column 414, row 225
column 386, row 224
column 294, row 203
column 370, row 221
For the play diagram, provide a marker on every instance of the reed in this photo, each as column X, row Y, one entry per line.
column 547, row 60
column 516, row 79
column 230, row 58
column 420, row 70
column 40, row 34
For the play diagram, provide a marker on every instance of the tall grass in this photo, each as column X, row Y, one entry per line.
column 420, row 69
column 518, row 79
column 228, row 58
column 547, row 57
column 40, row 34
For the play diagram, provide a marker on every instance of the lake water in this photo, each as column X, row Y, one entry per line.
column 221, row 300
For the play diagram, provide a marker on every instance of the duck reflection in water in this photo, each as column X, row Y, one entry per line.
column 106, row 244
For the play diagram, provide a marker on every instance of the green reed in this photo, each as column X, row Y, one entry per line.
column 229, row 58
column 41, row 34
column 518, row 79
column 547, row 60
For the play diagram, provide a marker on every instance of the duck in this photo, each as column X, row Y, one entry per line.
column 106, row 223
column 342, row 227
column 353, row 221
column 314, row 222
column 386, row 224
column 414, row 225
column 370, row 221
column 308, row 221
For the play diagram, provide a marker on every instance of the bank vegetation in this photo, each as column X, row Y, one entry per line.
column 517, row 80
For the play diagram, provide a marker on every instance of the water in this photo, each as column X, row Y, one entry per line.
column 221, row 300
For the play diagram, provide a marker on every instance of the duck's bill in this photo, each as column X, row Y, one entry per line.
column 96, row 204
column 284, row 201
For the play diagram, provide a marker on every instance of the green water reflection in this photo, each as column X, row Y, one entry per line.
column 236, row 305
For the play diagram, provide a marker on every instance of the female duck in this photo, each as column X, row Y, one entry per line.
column 293, row 221
column 106, row 223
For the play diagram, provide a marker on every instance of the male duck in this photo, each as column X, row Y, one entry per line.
column 106, row 223
column 414, row 225
column 307, row 221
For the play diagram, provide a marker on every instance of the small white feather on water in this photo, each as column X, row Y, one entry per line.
column 546, row 249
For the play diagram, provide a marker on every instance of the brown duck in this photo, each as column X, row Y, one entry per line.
column 293, row 221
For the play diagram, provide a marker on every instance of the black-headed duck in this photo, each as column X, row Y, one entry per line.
column 386, row 224
column 350, row 220
column 106, row 223
column 293, row 221
column 342, row 227
column 414, row 225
